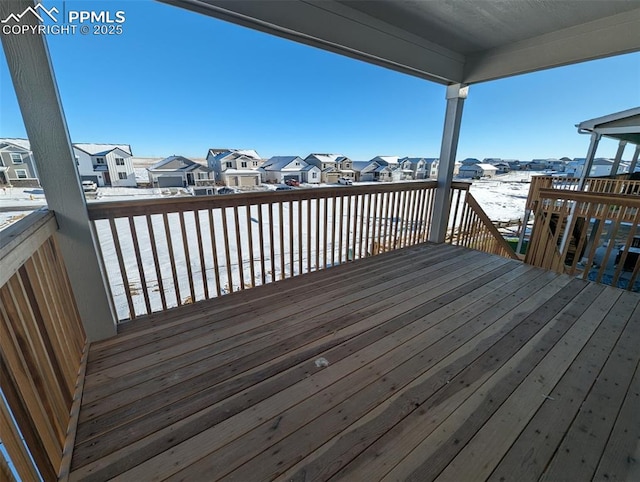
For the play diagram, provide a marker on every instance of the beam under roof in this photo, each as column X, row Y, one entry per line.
column 453, row 41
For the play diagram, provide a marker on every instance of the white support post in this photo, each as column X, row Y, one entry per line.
column 634, row 160
column 456, row 94
column 588, row 162
column 35, row 86
column 617, row 159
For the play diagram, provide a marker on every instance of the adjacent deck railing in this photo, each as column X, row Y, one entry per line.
column 42, row 342
column 595, row 235
column 620, row 185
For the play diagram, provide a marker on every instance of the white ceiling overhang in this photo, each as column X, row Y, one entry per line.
column 446, row 41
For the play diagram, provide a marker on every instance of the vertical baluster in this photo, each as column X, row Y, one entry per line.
column 203, row 266
column 308, row 235
column 300, row 252
column 367, row 221
column 281, row 223
column 291, row 260
column 374, row 220
column 236, row 220
column 214, row 251
column 361, row 234
column 271, row 244
column 333, row 230
column 355, row 227
column 318, row 234
column 347, row 228
column 143, row 278
column 252, row 269
column 405, row 217
column 187, row 257
column 227, row 252
column 341, row 229
column 123, row 270
column 156, row 262
column 172, row 259
column 325, row 232
column 385, row 242
column 261, row 234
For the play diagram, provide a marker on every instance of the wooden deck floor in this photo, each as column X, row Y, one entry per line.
column 443, row 363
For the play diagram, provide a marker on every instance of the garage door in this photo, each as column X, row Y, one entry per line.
column 170, row 181
column 295, row 176
column 248, row 181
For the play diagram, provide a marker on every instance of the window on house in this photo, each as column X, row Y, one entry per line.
column 100, row 160
column 297, row 164
column 228, row 165
column 243, row 164
column 21, row 173
column 119, row 161
column 122, row 175
column 314, row 175
column 16, row 158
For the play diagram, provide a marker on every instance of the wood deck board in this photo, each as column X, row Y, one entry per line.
column 434, row 354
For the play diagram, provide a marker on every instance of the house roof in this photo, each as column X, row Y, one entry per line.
column 310, row 167
column 623, row 126
column 22, row 143
column 102, row 149
column 280, row 162
column 326, row 158
column 360, row 165
column 235, row 153
column 453, row 41
column 178, row 163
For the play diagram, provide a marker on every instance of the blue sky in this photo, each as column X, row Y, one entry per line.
column 176, row 82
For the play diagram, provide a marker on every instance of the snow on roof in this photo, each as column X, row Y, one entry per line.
column 387, row 159
column 487, row 167
column 24, row 143
column 178, row 163
column 279, row 162
column 242, row 171
column 327, row 157
column 101, row 149
column 360, row 165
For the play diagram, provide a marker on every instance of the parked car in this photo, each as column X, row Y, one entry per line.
column 227, row 190
column 345, row 181
column 284, row 188
column 292, row 182
column 89, row 186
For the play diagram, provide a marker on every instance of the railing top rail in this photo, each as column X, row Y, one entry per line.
column 114, row 209
column 462, row 185
column 20, row 240
column 603, row 198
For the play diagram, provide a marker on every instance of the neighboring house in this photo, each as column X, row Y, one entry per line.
column 333, row 166
column 279, row 169
column 405, row 170
column 502, row 167
column 470, row 160
column 538, row 165
column 599, row 168
column 477, row 170
column 416, row 165
column 372, row 171
column 311, row 174
column 235, row 167
column 514, row 164
column 17, row 167
column 178, row 171
column 105, row 164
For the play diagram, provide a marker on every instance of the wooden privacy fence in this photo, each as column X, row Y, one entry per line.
column 594, row 235
column 42, row 342
column 469, row 225
column 168, row 252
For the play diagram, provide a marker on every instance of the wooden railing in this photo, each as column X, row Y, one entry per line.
column 42, row 343
column 469, row 226
column 620, row 185
column 594, row 235
column 161, row 253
